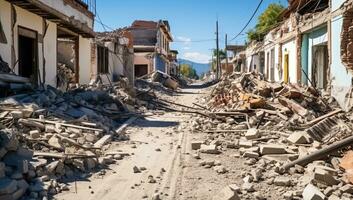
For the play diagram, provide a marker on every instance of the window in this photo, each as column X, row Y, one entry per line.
column 103, row 60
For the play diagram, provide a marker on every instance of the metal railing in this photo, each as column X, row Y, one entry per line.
column 91, row 5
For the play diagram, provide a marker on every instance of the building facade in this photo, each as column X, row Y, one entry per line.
column 31, row 31
column 151, row 46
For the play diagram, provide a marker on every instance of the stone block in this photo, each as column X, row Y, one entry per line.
column 325, row 177
column 195, row 145
column 252, row 133
column 7, row 186
column 226, row 194
column 300, row 137
column 311, row 192
column 272, row 149
column 209, row 149
column 282, row 181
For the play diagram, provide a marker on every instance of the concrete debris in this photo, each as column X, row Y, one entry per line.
column 52, row 135
column 312, row 193
column 226, row 194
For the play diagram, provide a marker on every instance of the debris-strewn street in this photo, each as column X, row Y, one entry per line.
column 176, row 100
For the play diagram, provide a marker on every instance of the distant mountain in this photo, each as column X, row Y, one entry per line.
column 199, row 67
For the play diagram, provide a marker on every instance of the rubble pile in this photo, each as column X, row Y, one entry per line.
column 292, row 138
column 49, row 137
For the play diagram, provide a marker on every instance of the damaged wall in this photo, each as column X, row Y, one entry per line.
column 34, row 22
column 85, row 60
column 341, row 77
column 290, row 48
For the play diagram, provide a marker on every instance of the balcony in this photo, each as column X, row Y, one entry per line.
column 89, row 4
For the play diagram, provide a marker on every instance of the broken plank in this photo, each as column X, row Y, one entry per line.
column 105, row 139
column 67, row 125
column 330, row 114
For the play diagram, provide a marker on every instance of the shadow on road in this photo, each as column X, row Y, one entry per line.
column 155, row 123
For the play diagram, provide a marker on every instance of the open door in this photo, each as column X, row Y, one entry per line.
column 286, row 68
column 28, row 54
column 320, row 65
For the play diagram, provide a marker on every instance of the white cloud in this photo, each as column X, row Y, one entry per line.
column 197, row 57
column 185, row 40
column 186, row 48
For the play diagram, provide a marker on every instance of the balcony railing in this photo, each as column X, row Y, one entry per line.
column 90, row 4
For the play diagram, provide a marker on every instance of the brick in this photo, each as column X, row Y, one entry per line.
column 226, row 194
column 311, row 192
column 252, row 133
column 195, row 145
column 272, row 149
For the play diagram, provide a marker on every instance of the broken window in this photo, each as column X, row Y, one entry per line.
column 103, row 60
column 2, row 35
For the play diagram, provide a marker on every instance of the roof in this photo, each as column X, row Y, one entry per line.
column 304, row 6
column 236, row 47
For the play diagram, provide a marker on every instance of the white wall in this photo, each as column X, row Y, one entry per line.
column 5, row 17
column 341, row 77
column 290, row 48
column 34, row 22
column 69, row 11
column 85, row 60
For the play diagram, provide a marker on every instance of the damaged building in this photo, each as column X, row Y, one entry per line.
column 151, row 46
column 36, row 37
column 113, row 57
column 309, row 46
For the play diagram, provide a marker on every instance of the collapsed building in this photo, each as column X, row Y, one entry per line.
column 309, row 46
column 36, row 34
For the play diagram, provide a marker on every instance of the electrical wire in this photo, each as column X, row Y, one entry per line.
column 247, row 24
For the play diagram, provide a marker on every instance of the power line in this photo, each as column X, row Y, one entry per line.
column 192, row 41
column 247, row 24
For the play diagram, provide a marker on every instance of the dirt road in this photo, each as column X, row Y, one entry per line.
column 158, row 143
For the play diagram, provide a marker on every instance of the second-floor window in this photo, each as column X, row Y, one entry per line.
column 102, row 60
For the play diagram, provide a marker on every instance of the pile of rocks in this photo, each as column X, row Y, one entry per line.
column 270, row 125
column 49, row 137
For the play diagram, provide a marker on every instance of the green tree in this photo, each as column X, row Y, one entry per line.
column 222, row 55
column 265, row 22
column 188, row 71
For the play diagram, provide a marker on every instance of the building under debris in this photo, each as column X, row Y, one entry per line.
column 44, row 39
column 309, row 46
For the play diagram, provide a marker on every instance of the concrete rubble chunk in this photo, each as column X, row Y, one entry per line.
column 226, row 194
column 300, row 137
column 325, row 177
column 311, row 192
column 55, row 142
column 282, row 181
column 195, row 145
column 7, row 186
column 209, row 149
column 272, row 149
column 252, row 133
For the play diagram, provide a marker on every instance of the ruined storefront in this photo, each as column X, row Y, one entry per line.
column 33, row 29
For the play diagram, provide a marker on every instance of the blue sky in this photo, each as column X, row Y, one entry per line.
column 192, row 21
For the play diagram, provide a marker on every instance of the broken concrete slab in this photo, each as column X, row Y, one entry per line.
column 311, row 192
column 209, row 149
column 252, row 133
column 325, row 177
column 226, row 194
column 272, row 149
column 300, row 137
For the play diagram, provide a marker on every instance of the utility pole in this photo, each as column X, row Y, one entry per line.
column 217, row 53
column 225, row 51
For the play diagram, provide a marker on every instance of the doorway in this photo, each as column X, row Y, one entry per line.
column 28, row 54
column 272, row 71
column 320, row 65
